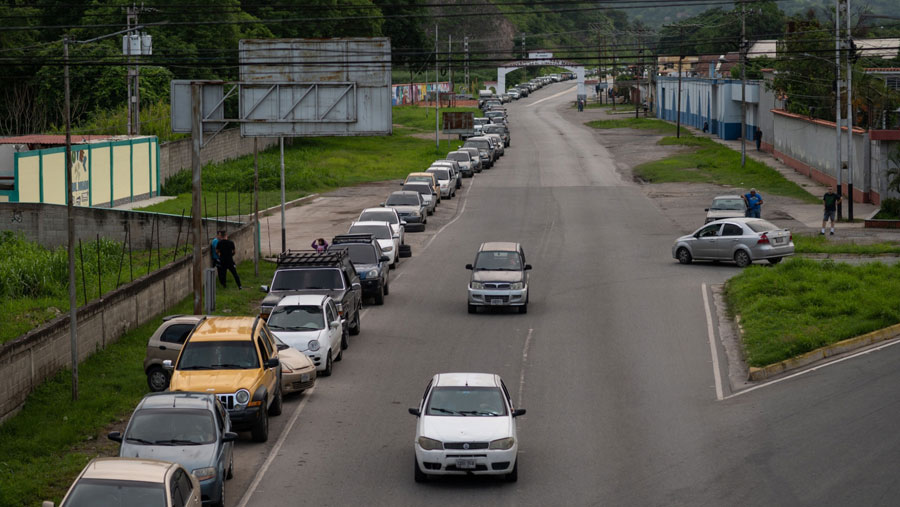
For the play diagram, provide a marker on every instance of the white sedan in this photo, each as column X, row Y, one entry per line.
column 466, row 425
column 388, row 215
column 310, row 324
column 383, row 233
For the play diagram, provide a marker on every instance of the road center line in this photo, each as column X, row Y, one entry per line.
column 712, row 343
column 459, row 213
column 275, row 450
column 536, row 102
column 524, row 363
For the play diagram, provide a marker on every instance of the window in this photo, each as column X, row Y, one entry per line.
column 466, row 401
column 262, row 348
column 296, row 318
column 162, row 426
column 184, row 486
column 709, row 231
column 330, row 312
column 176, row 333
column 224, row 355
column 732, row 230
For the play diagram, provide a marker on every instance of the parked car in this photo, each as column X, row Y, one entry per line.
column 389, row 215
column 234, row 358
column 383, row 234
column 485, row 150
column 514, row 94
column 742, row 240
column 128, row 481
column 427, row 193
column 411, row 207
column 726, row 206
column 165, row 343
column 501, row 130
column 504, row 98
column 445, row 180
column 310, row 324
column 466, row 424
column 476, row 157
column 191, row 429
column 304, row 272
column 499, row 277
column 298, row 372
column 425, row 177
column 371, row 263
column 464, row 159
column 455, row 171
column 497, row 141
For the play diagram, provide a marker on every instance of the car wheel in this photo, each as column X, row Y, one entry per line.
column 260, row 430
column 387, row 289
column 277, row 403
column 418, row 474
column 514, row 475
column 339, row 357
column 357, row 327
column 431, row 212
column 345, row 340
column 742, row 259
column 379, row 296
column 523, row 308
column 157, row 380
column 221, row 502
column 684, row 256
column 775, row 260
column 329, row 366
column 230, row 473
column 473, row 309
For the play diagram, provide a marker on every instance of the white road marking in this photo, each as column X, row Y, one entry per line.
column 524, row 362
column 536, row 102
column 459, row 213
column 804, row 372
column 712, row 343
column 275, row 450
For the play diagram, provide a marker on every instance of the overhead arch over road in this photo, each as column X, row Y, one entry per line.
column 506, row 68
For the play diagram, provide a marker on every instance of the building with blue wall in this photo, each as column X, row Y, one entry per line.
column 715, row 101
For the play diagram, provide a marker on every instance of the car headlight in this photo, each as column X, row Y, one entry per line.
column 503, row 444
column 517, row 286
column 414, row 214
column 372, row 273
column 285, row 368
column 203, row 474
column 444, row 184
column 430, row 444
column 313, row 345
column 388, row 248
column 242, row 397
column 477, row 285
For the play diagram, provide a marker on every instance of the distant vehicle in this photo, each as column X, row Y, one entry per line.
column 191, row 429
column 446, row 181
column 514, row 94
column 499, row 277
column 455, row 171
column 372, row 265
column 383, row 234
column 411, row 207
column 425, row 177
column 165, row 343
column 128, row 481
column 464, row 159
column 390, row 216
column 742, row 240
column 427, row 193
column 726, row 206
column 497, row 141
column 504, row 98
column 501, row 130
column 475, row 154
column 466, row 424
column 310, row 324
column 484, row 96
column 485, row 150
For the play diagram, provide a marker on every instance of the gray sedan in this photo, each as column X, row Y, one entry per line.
column 742, row 240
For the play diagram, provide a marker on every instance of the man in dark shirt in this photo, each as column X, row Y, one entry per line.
column 225, row 250
column 831, row 201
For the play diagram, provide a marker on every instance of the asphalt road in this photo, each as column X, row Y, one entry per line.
column 613, row 363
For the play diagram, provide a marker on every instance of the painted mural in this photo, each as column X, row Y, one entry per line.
column 402, row 94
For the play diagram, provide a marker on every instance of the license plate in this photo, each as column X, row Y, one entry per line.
column 304, row 377
column 779, row 240
column 496, row 301
column 465, row 463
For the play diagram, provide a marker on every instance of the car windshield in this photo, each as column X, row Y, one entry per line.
column 495, row 129
column 360, row 253
column 379, row 231
column 116, row 493
column 307, row 279
column 459, row 157
column 422, row 189
column 223, row 355
column 480, row 144
column 498, row 261
column 171, row 427
column 297, row 318
column 402, row 200
column 466, row 401
column 379, row 216
column 762, row 226
column 727, row 204
column 442, row 174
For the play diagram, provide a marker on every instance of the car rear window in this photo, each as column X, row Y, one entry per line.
column 459, row 157
column 419, row 187
column 442, row 174
column 115, row 493
column 762, row 226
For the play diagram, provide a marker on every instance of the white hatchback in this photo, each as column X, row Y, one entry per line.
column 388, row 240
column 310, row 323
column 466, row 425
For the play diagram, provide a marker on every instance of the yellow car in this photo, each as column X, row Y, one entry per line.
column 235, row 358
column 426, row 177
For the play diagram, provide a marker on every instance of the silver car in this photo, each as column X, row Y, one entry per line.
column 726, row 206
column 742, row 240
column 499, row 277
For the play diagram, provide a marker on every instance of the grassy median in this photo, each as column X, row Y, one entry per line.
column 45, row 446
column 817, row 244
column 801, row 305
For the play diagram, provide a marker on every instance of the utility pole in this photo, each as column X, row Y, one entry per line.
column 614, row 72
column 466, row 47
column 838, row 162
column 450, row 67
column 196, row 192
column 70, row 227
column 256, row 206
column 678, row 114
column 283, row 224
column 743, row 55
column 437, row 91
column 600, row 72
column 524, row 54
column 849, row 120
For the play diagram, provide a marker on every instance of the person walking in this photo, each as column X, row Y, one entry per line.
column 319, row 245
column 757, row 136
column 831, row 200
column 213, row 255
column 225, row 249
column 754, row 203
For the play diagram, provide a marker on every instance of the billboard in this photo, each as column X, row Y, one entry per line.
column 458, row 122
column 315, row 87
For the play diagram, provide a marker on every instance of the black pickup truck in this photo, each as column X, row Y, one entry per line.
column 309, row 272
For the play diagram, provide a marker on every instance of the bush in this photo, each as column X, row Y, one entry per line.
column 890, row 209
column 30, row 270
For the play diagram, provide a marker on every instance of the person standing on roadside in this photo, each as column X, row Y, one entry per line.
column 754, row 203
column 319, row 245
column 213, row 255
column 757, row 136
column 225, row 249
column 831, row 200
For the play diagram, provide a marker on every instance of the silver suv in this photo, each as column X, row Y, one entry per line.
column 499, row 277
column 164, row 344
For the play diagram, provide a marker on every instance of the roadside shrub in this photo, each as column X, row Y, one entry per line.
column 890, row 208
column 30, row 270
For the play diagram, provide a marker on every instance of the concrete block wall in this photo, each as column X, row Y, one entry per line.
column 39, row 354
column 176, row 155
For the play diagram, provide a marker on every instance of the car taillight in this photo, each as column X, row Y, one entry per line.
column 790, row 237
column 763, row 239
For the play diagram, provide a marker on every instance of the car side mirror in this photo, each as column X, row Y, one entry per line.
column 264, row 288
column 115, row 436
column 334, row 324
column 167, row 365
column 527, row 267
column 517, row 412
column 469, row 266
column 385, row 258
column 396, row 236
column 47, row 503
column 356, row 286
column 382, row 205
column 415, row 412
column 229, row 436
column 705, row 209
column 273, row 362
column 403, row 222
column 282, row 346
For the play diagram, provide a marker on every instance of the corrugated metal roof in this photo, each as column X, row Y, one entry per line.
column 52, row 139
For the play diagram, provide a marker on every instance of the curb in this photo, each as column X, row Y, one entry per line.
column 819, row 354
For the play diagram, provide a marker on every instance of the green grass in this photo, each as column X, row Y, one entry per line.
column 709, row 162
column 602, row 105
column 800, row 305
column 823, row 245
column 42, row 448
column 662, row 127
column 422, row 118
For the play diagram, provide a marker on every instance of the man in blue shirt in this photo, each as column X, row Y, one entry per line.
column 754, row 203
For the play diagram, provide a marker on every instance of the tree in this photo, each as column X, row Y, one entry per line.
column 804, row 74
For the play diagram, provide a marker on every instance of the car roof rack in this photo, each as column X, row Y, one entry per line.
column 361, row 237
column 304, row 258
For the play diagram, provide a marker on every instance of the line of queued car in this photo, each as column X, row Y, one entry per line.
column 211, row 377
